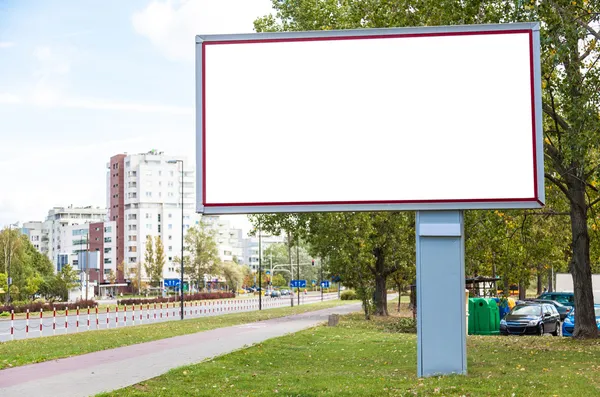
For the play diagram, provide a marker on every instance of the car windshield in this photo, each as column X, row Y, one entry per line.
column 528, row 310
column 562, row 298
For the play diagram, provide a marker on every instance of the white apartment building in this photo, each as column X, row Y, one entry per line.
column 229, row 239
column 59, row 227
column 152, row 205
column 34, row 230
column 250, row 249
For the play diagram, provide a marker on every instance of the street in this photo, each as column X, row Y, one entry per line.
column 109, row 318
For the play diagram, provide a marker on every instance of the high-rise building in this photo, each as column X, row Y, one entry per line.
column 34, row 230
column 229, row 239
column 144, row 201
column 63, row 230
column 250, row 249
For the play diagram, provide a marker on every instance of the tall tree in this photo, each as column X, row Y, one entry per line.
column 571, row 87
column 233, row 274
column 202, row 254
column 156, row 272
column 149, row 258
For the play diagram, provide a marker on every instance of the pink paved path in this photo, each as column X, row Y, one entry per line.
column 113, row 369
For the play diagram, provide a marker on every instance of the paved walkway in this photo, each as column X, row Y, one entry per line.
column 107, row 370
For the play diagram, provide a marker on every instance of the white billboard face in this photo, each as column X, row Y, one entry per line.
column 398, row 121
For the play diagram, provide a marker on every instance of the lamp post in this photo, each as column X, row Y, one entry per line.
column 321, row 279
column 182, row 230
column 9, row 281
column 259, row 267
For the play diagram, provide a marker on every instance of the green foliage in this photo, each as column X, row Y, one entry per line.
column 348, row 295
column 279, row 281
column 405, row 325
column 202, row 254
column 233, row 274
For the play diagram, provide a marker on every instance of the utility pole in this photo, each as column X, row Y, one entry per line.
column 259, row 267
column 298, row 268
column 289, row 235
column 321, row 279
column 87, row 263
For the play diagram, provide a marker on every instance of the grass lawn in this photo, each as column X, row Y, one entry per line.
column 28, row 351
column 359, row 358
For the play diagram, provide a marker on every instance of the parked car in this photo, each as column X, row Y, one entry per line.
column 275, row 294
column 285, row 292
column 563, row 310
column 531, row 319
column 566, row 298
column 569, row 323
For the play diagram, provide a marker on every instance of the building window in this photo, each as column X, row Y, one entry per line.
column 79, row 232
column 148, row 173
column 159, row 228
column 132, row 227
column 108, row 229
column 171, row 173
column 170, row 215
column 132, row 249
column 170, row 194
column 128, row 164
column 170, row 237
column 132, row 217
column 170, row 226
column 149, row 226
column 97, row 229
column 170, row 248
column 170, row 258
column 159, row 173
column 170, row 184
column 148, row 194
column 107, row 250
column 132, row 195
column 107, row 261
column 132, row 238
column 107, row 239
column 132, row 259
column 159, row 217
column 147, row 215
column 132, row 173
column 228, row 253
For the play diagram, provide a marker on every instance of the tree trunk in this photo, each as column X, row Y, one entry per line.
column 550, row 279
column 585, row 319
column 380, row 296
column 539, row 280
column 522, row 291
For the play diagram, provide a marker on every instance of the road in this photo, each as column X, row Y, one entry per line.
column 143, row 314
column 93, row 373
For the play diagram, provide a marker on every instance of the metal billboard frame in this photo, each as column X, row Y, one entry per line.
column 532, row 28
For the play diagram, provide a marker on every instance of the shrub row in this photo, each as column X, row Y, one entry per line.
column 193, row 297
column 46, row 306
column 348, row 295
column 405, row 325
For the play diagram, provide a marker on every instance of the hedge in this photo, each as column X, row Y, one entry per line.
column 348, row 295
column 46, row 306
column 193, row 297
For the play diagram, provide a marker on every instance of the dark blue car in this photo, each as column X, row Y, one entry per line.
column 569, row 323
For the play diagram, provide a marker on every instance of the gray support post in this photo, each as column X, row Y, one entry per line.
column 441, row 333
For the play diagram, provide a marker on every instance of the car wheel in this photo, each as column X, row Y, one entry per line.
column 541, row 329
column 557, row 329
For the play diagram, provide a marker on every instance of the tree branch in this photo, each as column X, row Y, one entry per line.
column 550, row 112
column 560, row 185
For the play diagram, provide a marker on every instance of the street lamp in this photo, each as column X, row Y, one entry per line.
column 259, row 268
column 182, row 229
column 9, row 281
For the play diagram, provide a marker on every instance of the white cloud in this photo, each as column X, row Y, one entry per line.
column 6, row 44
column 172, row 25
column 9, row 99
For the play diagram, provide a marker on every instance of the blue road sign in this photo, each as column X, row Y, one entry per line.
column 172, row 282
column 298, row 284
column 325, row 284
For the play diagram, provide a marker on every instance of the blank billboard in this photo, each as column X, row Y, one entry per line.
column 429, row 118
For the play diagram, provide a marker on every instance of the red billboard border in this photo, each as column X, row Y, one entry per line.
column 529, row 32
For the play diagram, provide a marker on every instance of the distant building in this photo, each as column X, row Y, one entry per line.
column 229, row 239
column 250, row 249
column 65, row 230
column 144, row 201
column 34, row 230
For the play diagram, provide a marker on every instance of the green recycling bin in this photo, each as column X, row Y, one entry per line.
column 485, row 317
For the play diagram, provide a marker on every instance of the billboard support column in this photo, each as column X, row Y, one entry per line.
column 440, row 293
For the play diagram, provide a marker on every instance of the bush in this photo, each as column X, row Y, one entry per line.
column 193, row 297
column 348, row 295
column 405, row 325
column 22, row 307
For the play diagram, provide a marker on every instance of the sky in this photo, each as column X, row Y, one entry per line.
column 82, row 81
